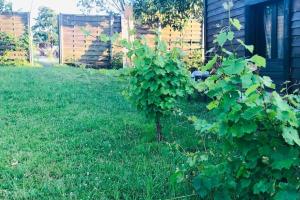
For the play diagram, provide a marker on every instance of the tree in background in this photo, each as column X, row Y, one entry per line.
column 45, row 31
column 108, row 6
column 174, row 13
column 5, row 6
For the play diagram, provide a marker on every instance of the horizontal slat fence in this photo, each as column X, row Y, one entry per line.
column 189, row 39
column 79, row 42
column 16, row 24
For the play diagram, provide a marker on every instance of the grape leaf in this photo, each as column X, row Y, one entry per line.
column 259, row 61
column 291, row 136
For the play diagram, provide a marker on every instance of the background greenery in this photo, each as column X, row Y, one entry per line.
column 10, row 43
column 45, row 30
column 5, row 6
column 174, row 13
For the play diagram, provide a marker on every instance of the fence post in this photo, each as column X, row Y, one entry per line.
column 126, row 26
column 30, row 39
column 111, row 32
column 61, row 53
column 203, row 37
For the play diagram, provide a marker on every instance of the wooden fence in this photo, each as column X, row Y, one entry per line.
column 189, row 39
column 17, row 25
column 79, row 42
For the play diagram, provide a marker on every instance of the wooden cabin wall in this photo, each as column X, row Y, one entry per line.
column 217, row 18
column 295, row 35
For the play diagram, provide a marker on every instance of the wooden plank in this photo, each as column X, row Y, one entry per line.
column 90, row 45
column 13, row 30
column 87, row 58
column 81, row 29
column 90, row 53
column 80, row 38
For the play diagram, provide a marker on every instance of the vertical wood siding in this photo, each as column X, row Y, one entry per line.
column 295, row 46
column 217, row 17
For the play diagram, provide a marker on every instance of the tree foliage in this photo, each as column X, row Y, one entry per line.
column 174, row 13
column 194, row 60
column 46, row 28
column 109, row 6
column 158, row 78
column 9, row 44
column 5, row 6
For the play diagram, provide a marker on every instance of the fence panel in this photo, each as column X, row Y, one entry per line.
column 16, row 24
column 79, row 39
column 189, row 39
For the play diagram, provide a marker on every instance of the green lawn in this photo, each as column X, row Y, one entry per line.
column 69, row 133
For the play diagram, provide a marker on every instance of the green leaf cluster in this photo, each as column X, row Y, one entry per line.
column 45, row 30
column 258, row 130
column 158, row 77
column 9, row 43
column 193, row 60
column 5, row 6
column 173, row 13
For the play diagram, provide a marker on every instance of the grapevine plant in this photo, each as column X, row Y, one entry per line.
column 258, row 154
column 157, row 79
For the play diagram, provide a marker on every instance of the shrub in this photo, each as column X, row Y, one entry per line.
column 117, row 61
column 194, row 61
column 10, row 44
column 157, row 79
column 257, row 156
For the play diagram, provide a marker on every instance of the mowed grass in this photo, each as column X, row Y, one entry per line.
column 69, row 133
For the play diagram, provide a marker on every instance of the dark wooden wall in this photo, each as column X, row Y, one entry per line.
column 295, row 46
column 16, row 24
column 216, row 17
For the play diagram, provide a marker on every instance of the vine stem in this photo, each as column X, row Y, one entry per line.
column 158, row 129
column 192, row 195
